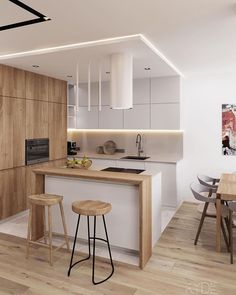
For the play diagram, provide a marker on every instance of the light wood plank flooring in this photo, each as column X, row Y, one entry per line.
column 177, row 267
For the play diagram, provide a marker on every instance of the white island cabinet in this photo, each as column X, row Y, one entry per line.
column 122, row 221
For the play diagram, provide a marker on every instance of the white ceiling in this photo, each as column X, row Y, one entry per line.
column 198, row 36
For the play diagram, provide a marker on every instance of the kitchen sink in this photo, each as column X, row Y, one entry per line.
column 124, row 170
column 135, row 158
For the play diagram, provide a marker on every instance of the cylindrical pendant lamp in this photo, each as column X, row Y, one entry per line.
column 121, row 83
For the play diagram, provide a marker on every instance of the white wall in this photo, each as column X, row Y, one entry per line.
column 201, row 100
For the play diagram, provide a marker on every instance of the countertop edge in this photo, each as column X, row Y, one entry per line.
column 93, row 175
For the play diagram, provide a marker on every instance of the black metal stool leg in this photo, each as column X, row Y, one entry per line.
column 89, row 247
column 73, row 250
column 109, row 249
column 94, row 238
column 231, row 238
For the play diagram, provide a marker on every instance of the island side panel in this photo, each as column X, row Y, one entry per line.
column 145, row 221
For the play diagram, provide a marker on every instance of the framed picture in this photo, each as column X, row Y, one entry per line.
column 228, row 129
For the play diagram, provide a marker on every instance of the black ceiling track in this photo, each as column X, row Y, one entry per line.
column 40, row 17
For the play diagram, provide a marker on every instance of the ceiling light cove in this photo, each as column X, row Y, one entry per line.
column 106, row 41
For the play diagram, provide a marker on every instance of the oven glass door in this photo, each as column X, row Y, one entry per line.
column 37, row 151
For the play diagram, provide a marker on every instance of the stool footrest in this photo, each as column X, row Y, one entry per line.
column 47, row 245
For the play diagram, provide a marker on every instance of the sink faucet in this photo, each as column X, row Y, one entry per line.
column 139, row 144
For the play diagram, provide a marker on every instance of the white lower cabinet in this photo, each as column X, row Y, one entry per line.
column 168, row 176
column 169, row 186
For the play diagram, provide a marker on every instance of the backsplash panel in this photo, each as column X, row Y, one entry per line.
column 161, row 143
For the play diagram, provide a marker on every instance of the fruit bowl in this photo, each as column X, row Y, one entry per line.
column 84, row 163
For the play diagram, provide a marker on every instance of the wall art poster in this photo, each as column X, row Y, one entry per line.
column 228, row 129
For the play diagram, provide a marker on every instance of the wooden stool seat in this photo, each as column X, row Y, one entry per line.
column 91, row 208
column 45, row 199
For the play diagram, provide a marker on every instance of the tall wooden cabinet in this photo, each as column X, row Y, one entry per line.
column 36, row 86
column 57, row 130
column 36, row 119
column 12, row 192
column 12, row 130
column 12, row 82
column 31, row 106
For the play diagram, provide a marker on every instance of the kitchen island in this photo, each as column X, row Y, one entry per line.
column 135, row 220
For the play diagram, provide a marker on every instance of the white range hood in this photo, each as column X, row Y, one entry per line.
column 121, row 83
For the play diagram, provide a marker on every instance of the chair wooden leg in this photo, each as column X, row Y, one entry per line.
column 29, row 231
column 64, row 226
column 201, row 223
column 44, row 227
column 231, row 237
column 50, row 234
column 224, row 234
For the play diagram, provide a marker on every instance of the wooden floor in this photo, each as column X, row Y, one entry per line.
column 177, row 266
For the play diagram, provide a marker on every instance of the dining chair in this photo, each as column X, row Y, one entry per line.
column 232, row 224
column 207, row 180
column 207, row 194
column 211, row 208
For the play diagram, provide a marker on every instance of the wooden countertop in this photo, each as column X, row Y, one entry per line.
column 94, row 175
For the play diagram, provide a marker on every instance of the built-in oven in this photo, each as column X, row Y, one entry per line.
column 36, row 150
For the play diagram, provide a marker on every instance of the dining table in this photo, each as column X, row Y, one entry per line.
column 226, row 191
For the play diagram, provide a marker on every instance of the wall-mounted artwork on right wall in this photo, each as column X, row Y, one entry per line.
column 228, row 129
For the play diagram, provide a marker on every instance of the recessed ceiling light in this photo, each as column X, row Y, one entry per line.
column 35, row 66
column 69, row 76
column 147, row 69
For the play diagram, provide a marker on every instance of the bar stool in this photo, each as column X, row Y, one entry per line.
column 91, row 208
column 46, row 200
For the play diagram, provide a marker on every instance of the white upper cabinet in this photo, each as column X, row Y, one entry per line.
column 155, row 106
column 141, row 91
column 138, row 117
column 87, row 119
column 110, row 119
column 105, row 91
column 165, row 89
column 83, row 94
column 165, row 116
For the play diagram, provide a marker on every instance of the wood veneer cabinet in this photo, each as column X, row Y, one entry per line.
column 25, row 112
column 12, row 82
column 12, row 192
column 36, row 119
column 12, row 130
column 57, row 90
column 57, row 131
column 36, row 86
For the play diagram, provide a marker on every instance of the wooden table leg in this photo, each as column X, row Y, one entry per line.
column 218, row 224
